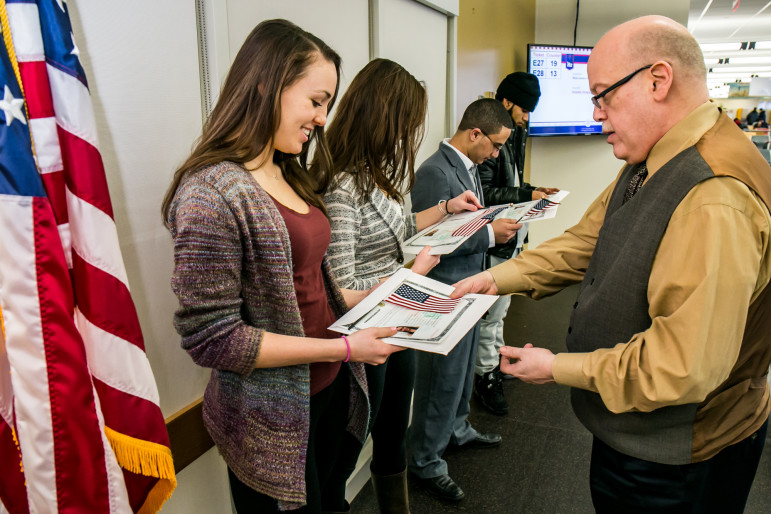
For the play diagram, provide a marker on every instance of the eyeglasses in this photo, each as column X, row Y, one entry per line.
column 497, row 146
column 596, row 98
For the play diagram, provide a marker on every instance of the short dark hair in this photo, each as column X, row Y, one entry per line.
column 486, row 114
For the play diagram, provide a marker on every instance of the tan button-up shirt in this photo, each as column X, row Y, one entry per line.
column 713, row 260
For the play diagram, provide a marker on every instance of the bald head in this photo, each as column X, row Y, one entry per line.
column 664, row 80
column 648, row 39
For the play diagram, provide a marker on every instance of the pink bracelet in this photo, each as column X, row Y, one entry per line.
column 347, row 347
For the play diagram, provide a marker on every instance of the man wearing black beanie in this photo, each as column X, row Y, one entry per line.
column 503, row 182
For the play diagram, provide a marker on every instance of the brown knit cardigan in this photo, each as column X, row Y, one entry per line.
column 233, row 279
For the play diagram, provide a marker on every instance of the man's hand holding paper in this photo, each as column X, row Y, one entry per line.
column 504, row 229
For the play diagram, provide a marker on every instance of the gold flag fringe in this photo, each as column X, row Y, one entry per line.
column 135, row 455
column 149, row 459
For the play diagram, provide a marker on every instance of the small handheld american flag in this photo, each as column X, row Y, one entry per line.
column 411, row 298
column 472, row 226
column 542, row 204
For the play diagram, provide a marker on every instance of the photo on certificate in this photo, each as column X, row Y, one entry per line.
column 420, row 308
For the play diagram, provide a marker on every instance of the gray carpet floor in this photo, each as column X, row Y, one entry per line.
column 542, row 465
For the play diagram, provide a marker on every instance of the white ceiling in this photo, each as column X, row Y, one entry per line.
column 721, row 27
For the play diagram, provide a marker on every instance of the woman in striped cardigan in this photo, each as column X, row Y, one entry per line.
column 255, row 289
column 373, row 142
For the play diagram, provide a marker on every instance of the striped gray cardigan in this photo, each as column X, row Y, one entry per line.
column 367, row 232
column 233, row 278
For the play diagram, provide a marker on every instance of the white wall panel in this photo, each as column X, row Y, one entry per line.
column 144, row 85
column 202, row 488
column 342, row 24
column 415, row 36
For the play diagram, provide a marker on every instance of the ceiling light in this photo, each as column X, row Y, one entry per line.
column 719, row 47
column 711, row 61
column 736, row 46
column 740, row 69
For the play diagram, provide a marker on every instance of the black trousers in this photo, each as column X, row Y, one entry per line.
column 720, row 485
column 390, row 395
column 324, row 492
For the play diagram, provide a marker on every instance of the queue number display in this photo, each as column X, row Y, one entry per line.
column 546, row 66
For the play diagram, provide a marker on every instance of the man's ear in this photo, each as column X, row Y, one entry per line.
column 507, row 104
column 663, row 77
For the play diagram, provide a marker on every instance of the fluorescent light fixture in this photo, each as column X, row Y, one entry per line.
column 718, row 68
column 720, row 47
column 735, row 59
column 734, row 47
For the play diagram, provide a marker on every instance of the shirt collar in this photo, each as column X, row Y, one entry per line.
column 684, row 134
column 468, row 163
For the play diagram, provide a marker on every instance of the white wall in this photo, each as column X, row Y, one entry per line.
column 142, row 62
column 342, row 24
column 147, row 106
column 583, row 165
column 423, row 53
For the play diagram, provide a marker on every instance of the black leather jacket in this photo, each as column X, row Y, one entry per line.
column 497, row 176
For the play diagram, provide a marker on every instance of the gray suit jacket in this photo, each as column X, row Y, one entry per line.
column 441, row 177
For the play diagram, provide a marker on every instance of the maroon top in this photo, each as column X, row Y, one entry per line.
column 309, row 236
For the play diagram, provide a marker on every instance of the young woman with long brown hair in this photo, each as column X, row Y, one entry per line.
column 373, row 141
column 255, row 289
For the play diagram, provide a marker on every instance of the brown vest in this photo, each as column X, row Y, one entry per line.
column 612, row 306
column 743, row 399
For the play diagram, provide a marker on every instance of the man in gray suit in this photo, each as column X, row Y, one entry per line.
column 443, row 384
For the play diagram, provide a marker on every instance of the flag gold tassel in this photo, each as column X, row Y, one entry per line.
column 149, row 459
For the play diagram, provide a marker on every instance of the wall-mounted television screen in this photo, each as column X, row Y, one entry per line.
column 565, row 107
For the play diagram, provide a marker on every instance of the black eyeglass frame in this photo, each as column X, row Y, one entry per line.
column 596, row 98
column 497, row 146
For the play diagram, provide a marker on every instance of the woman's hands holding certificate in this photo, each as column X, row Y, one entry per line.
column 366, row 345
column 466, row 201
column 424, row 261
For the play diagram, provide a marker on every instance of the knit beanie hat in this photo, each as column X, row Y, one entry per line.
column 520, row 88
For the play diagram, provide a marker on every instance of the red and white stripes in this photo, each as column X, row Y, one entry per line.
column 84, row 397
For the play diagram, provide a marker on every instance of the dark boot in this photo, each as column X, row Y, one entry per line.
column 391, row 493
column 488, row 391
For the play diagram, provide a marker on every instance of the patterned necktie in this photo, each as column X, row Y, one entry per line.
column 637, row 181
column 473, row 173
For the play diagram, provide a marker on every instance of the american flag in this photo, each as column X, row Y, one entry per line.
column 542, row 205
column 80, row 425
column 472, row 226
column 411, row 298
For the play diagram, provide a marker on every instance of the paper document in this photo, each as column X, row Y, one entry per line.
column 448, row 234
column 420, row 308
column 535, row 210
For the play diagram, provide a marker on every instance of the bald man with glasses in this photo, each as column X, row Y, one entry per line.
column 668, row 345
